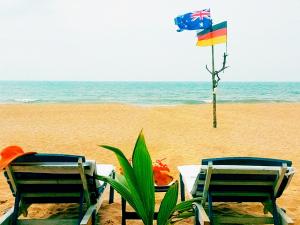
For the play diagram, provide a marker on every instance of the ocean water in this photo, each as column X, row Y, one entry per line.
column 146, row 93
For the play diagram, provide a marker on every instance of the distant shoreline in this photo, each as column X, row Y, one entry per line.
column 143, row 105
column 37, row 102
column 146, row 93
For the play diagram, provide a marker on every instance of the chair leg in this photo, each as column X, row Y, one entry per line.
column 16, row 209
column 210, row 207
column 196, row 215
column 275, row 212
column 111, row 190
column 94, row 217
column 182, row 192
column 80, row 207
column 123, row 211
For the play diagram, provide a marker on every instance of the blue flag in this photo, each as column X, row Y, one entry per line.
column 194, row 21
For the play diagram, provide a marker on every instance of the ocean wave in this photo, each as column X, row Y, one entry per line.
column 148, row 102
column 207, row 101
column 26, row 100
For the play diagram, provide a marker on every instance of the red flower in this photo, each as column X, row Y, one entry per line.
column 161, row 173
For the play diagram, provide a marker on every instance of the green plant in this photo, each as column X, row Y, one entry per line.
column 137, row 187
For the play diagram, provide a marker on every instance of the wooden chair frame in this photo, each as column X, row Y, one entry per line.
column 81, row 168
column 279, row 217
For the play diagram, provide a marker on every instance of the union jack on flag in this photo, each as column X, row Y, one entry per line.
column 201, row 14
column 196, row 20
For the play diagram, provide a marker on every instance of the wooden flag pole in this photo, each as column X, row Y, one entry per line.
column 215, row 81
column 213, row 76
column 208, row 38
column 215, row 72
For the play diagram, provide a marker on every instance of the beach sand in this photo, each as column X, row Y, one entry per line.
column 182, row 134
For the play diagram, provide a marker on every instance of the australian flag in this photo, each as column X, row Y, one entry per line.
column 194, row 21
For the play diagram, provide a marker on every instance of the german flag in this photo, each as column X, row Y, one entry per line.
column 216, row 35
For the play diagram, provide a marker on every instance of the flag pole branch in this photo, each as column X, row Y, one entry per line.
column 208, row 70
column 222, row 69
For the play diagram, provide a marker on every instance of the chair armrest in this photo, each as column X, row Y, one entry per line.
column 7, row 217
column 89, row 217
column 201, row 217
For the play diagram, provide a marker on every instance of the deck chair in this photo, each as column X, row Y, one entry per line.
column 56, row 178
column 237, row 179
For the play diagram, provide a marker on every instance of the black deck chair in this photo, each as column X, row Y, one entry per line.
column 238, row 179
column 56, row 178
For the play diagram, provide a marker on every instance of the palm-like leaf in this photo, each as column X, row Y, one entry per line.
column 121, row 189
column 131, row 183
column 186, row 205
column 137, row 187
column 183, row 210
column 167, row 205
column 142, row 167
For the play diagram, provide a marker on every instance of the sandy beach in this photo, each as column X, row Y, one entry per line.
column 181, row 134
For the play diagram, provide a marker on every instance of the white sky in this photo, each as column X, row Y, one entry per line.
column 137, row 40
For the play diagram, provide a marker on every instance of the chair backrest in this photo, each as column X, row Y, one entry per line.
column 242, row 178
column 52, row 178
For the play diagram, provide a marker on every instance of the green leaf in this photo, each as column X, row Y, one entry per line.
column 120, row 188
column 186, row 205
column 127, row 169
column 184, row 215
column 131, row 182
column 168, row 204
column 142, row 167
column 120, row 178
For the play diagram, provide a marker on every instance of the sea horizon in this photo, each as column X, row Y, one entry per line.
column 147, row 92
